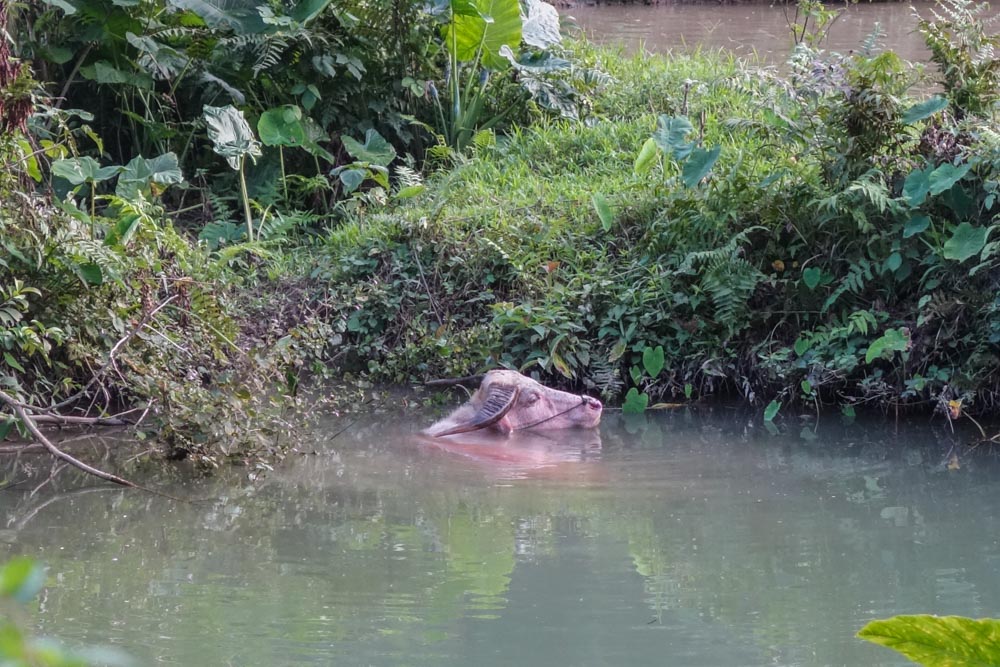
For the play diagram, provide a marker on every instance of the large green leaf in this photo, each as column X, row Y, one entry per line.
column 646, row 157
column 540, row 26
column 307, row 10
column 917, row 185
column 314, row 135
column 104, row 72
column 635, row 402
column 375, row 150
column 945, row 176
column 924, row 109
column 652, row 360
column 966, row 242
column 698, row 164
column 915, row 225
column 140, row 173
column 67, row 7
column 893, row 340
column 231, row 135
column 671, row 135
column 216, row 14
column 282, row 126
column 486, row 24
column 351, row 178
column 811, row 277
column 771, row 411
column 79, row 170
column 604, row 212
column 939, row 641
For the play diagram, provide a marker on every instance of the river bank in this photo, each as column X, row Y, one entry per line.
column 695, row 226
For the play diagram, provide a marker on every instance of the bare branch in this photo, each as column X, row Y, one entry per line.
column 30, row 424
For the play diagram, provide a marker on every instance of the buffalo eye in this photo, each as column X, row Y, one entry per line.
column 531, row 399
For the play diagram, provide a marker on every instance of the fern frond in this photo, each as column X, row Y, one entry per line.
column 858, row 276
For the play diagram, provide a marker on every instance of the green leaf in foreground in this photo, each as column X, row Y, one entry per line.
column 893, row 340
column 282, row 126
column 811, row 277
column 79, row 170
column 375, row 150
column 21, row 579
column 671, row 135
column 231, row 135
column 917, row 185
column 947, row 175
column 604, row 211
column 635, row 403
column 915, row 225
column 698, row 165
column 939, row 641
column 966, row 242
column 647, row 155
column 652, row 360
column 924, row 109
column 771, row 411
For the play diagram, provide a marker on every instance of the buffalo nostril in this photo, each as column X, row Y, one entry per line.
column 592, row 403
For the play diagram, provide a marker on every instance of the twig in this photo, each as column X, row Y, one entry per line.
column 17, row 449
column 981, row 431
column 32, row 427
column 79, row 421
column 111, row 357
column 56, row 467
column 427, row 288
column 448, row 382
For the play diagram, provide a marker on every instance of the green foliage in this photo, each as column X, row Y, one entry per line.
column 21, row 579
column 939, row 641
column 965, row 52
column 813, row 239
column 635, row 402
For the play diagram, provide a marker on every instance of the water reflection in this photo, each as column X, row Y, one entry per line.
column 549, row 453
column 694, row 537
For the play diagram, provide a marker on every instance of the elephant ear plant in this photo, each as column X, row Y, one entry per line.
column 474, row 35
column 233, row 139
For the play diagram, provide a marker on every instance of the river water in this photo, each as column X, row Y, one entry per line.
column 695, row 537
column 747, row 29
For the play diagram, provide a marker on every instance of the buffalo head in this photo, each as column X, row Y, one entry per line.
column 508, row 401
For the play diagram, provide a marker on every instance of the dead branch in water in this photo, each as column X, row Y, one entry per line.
column 450, row 382
column 64, row 420
column 32, row 427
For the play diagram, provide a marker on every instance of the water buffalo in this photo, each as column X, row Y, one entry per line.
column 508, row 401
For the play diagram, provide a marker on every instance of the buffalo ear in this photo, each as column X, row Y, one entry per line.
column 500, row 398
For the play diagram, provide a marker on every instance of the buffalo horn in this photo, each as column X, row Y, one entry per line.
column 499, row 400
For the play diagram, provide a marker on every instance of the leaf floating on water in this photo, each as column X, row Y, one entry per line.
column 953, row 463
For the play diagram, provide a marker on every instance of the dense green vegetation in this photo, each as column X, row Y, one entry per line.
column 203, row 204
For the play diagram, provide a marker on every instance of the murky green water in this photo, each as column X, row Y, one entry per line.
column 690, row 538
column 748, row 28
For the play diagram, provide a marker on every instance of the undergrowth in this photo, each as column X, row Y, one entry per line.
column 815, row 238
